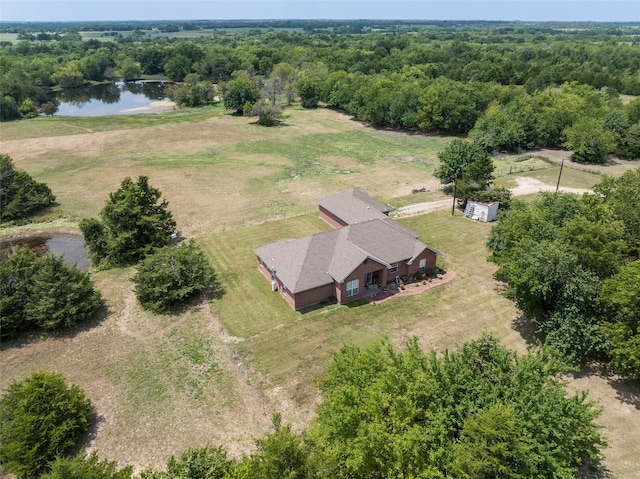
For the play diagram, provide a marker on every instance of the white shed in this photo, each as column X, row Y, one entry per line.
column 482, row 211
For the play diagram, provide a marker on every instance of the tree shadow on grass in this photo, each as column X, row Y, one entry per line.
column 29, row 337
column 527, row 330
column 89, row 437
column 627, row 390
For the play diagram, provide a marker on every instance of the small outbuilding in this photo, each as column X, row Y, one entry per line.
column 482, row 211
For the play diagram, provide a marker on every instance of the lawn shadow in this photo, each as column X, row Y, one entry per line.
column 26, row 338
column 527, row 330
column 317, row 306
column 89, row 437
column 627, row 390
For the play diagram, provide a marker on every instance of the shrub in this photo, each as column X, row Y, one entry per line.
column 86, row 467
column 40, row 418
column 20, row 195
column 170, row 276
column 42, row 293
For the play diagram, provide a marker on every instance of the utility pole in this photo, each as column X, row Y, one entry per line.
column 559, row 175
column 455, row 186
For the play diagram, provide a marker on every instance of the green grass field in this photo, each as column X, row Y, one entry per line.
column 216, row 374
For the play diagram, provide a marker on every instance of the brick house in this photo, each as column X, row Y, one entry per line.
column 366, row 249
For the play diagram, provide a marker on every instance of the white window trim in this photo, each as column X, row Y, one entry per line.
column 422, row 265
column 394, row 268
column 351, row 290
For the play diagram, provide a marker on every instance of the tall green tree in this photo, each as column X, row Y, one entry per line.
column 620, row 297
column 132, row 224
column 589, row 141
column 41, row 418
column 456, row 158
column 42, row 293
column 240, row 91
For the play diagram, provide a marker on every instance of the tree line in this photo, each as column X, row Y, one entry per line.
column 511, row 87
column 481, row 411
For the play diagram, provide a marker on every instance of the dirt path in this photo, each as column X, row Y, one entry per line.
column 526, row 186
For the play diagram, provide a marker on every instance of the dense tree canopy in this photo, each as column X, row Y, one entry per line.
column 567, row 259
column 171, row 275
column 132, row 224
column 20, row 195
column 41, row 418
column 477, row 412
column 42, row 293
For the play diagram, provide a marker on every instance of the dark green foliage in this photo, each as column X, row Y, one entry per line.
column 309, row 91
column 456, row 158
column 449, row 106
column 590, row 142
column 240, row 91
column 9, row 109
column 477, row 412
column 86, row 467
column 558, row 253
column 622, row 195
column 42, row 293
column 193, row 92
column 620, row 297
column 493, row 444
column 20, row 195
column 166, row 279
column 629, row 147
column 279, row 454
column 206, row 462
column 132, row 224
column 41, row 418
column 498, row 130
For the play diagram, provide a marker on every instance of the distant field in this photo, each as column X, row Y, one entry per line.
column 216, row 374
column 8, row 37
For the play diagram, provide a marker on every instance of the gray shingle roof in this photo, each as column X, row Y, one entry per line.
column 353, row 206
column 330, row 256
column 323, row 258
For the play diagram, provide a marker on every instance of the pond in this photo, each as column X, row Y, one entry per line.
column 70, row 247
column 120, row 98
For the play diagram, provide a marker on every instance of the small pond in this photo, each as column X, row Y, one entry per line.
column 120, row 98
column 71, row 247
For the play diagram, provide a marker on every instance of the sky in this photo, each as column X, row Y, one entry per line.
column 524, row 10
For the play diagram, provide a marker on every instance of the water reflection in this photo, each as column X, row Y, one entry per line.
column 70, row 247
column 121, row 98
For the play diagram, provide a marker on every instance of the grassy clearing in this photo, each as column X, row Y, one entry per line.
column 291, row 348
column 571, row 177
column 218, row 171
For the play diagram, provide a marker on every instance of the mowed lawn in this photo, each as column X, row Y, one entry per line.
column 288, row 350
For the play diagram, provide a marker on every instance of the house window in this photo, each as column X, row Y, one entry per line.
column 353, row 287
column 423, row 265
column 394, row 268
column 284, row 290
